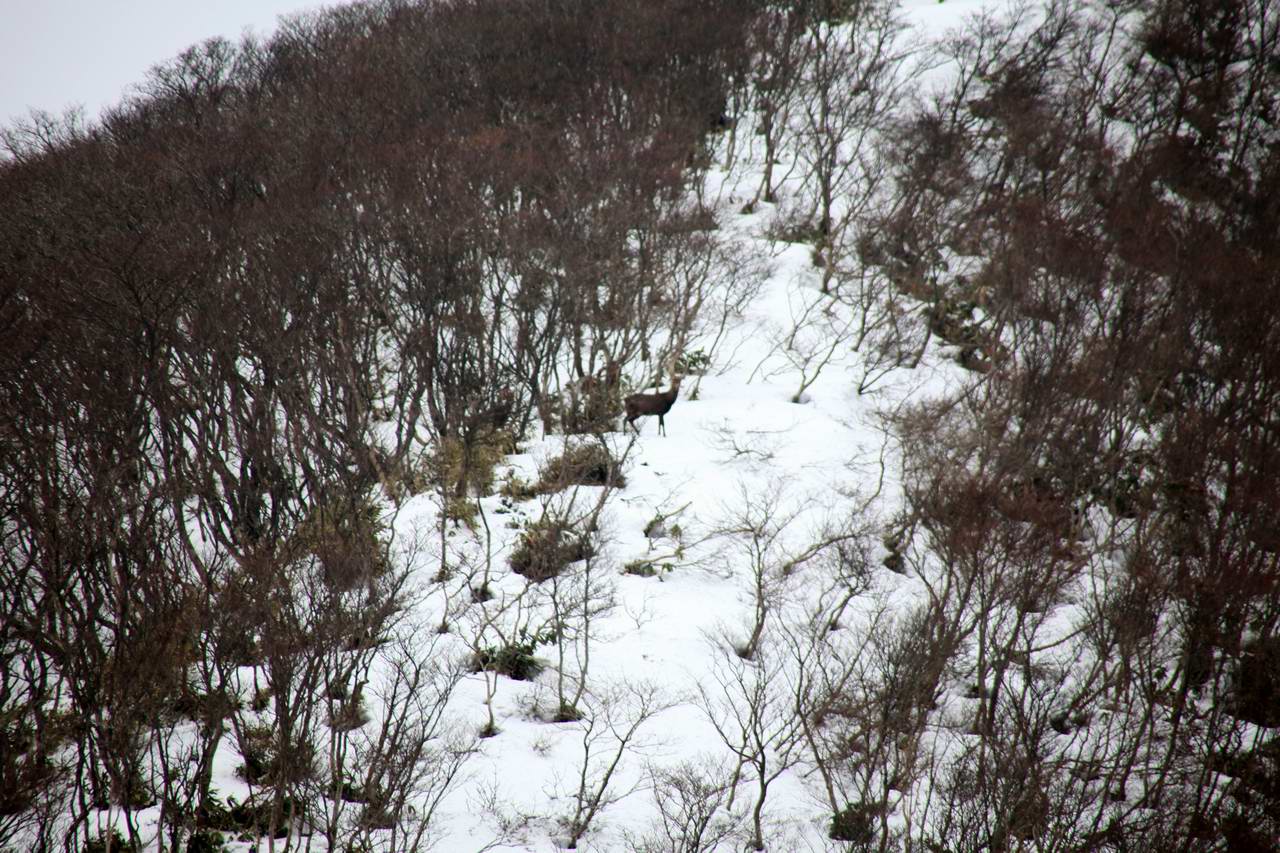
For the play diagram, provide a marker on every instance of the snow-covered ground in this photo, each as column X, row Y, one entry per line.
column 744, row 482
column 756, row 644
column 739, row 452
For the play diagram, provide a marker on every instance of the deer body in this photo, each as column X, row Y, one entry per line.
column 652, row 404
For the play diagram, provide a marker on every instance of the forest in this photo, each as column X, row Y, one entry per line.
column 335, row 514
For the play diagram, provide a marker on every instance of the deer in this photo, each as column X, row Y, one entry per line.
column 653, row 404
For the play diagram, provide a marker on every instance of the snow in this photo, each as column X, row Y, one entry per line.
column 741, row 447
column 936, row 17
column 742, row 438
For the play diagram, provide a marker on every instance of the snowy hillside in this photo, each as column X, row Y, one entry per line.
column 959, row 534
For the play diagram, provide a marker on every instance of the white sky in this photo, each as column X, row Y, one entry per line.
column 59, row 53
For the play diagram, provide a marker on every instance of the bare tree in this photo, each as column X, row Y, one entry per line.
column 611, row 731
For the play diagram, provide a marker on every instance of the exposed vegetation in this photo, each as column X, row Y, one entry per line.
column 580, row 465
column 294, row 285
column 547, row 546
column 232, row 313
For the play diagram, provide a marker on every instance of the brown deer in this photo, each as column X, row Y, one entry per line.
column 653, row 404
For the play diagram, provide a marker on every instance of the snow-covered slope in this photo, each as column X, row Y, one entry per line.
column 744, row 482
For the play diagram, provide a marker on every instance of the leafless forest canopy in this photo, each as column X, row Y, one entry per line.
column 290, row 284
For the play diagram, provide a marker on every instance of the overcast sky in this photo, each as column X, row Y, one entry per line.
column 59, row 53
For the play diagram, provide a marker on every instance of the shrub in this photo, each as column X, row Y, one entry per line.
column 836, row 12
column 244, row 819
column 192, row 704
column 349, row 715
column 640, row 568
column 461, row 511
column 255, row 750
column 377, row 816
column 793, row 229
column 344, row 535
column 213, row 814
column 517, row 488
column 350, row 792
column 514, row 658
column 952, row 321
column 856, row 823
column 455, row 466
column 647, row 568
column 206, row 841
column 546, row 547
column 401, row 479
column 581, row 465
column 567, row 713
column 266, row 763
column 696, row 362
column 376, row 812
column 99, row 843
column 1256, row 694
column 594, row 410
column 25, row 770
